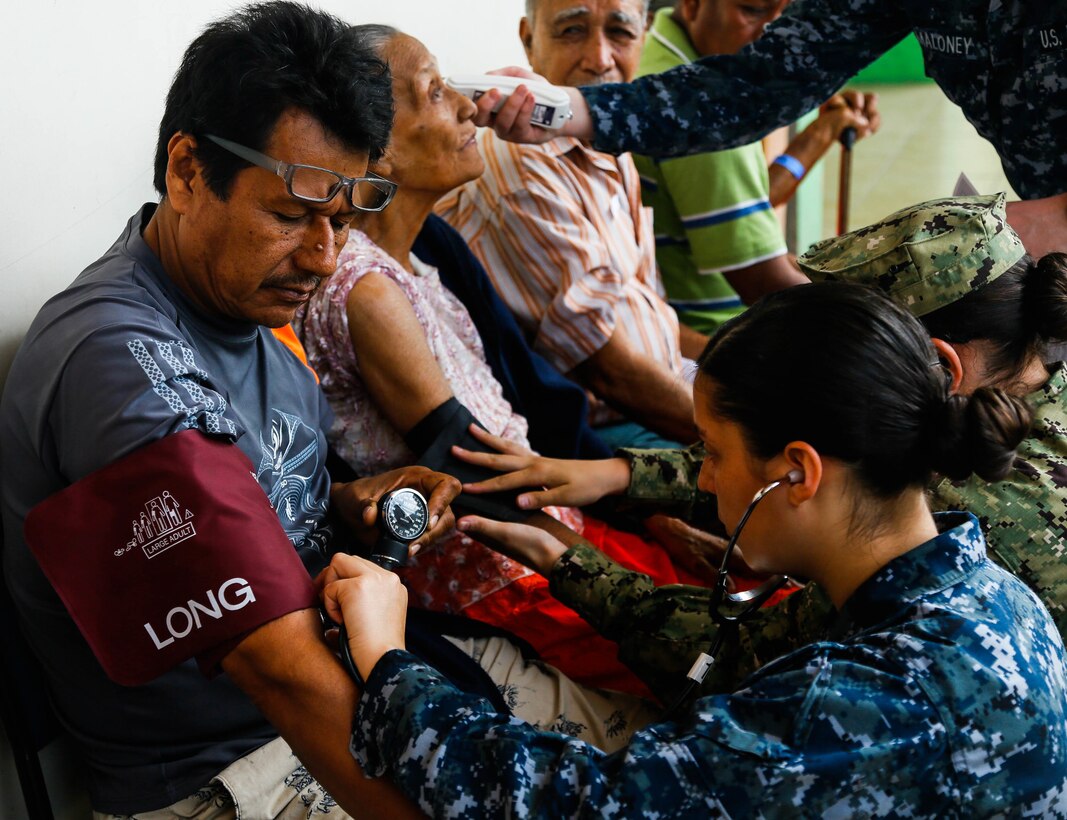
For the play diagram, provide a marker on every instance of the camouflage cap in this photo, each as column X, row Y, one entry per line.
column 925, row 256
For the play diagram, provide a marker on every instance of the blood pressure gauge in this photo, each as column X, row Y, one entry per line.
column 403, row 516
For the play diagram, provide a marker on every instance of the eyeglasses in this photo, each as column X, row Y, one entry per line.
column 313, row 184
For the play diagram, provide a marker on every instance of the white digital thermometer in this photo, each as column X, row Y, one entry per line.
column 552, row 106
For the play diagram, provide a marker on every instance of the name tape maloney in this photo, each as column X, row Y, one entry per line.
column 180, row 622
column 945, row 43
column 1048, row 38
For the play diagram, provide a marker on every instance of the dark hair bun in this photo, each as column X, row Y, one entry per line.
column 1045, row 297
column 978, row 434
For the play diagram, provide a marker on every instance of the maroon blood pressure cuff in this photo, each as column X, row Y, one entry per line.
column 171, row 553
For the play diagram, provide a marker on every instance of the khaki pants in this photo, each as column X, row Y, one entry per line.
column 271, row 784
column 265, row 784
column 546, row 698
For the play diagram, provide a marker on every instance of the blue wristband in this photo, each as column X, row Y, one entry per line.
column 793, row 165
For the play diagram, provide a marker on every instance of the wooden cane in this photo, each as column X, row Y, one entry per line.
column 844, row 183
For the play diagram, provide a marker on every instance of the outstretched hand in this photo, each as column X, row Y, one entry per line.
column 530, row 545
column 357, row 501
column 567, row 482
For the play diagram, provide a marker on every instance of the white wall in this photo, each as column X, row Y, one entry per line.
column 81, row 93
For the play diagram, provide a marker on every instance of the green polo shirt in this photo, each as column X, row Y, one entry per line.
column 712, row 211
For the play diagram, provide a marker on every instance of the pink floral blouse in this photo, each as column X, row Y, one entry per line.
column 456, row 571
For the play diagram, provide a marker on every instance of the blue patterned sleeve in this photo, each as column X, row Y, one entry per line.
column 130, row 380
column 812, row 735
column 728, row 101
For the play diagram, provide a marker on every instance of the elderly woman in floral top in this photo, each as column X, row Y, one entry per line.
column 391, row 343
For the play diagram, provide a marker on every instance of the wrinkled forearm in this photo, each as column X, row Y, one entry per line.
column 642, row 389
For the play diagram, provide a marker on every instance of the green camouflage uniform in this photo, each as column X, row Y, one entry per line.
column 661, row 630
column 665, row 481
column 1025, row 515
column 928, row 256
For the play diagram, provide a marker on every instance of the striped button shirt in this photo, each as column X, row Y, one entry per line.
column 568, row 245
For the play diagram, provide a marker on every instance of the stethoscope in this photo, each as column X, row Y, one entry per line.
column 728, row 609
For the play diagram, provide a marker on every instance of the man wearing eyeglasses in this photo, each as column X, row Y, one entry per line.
column 164, row 486
column 264, row 246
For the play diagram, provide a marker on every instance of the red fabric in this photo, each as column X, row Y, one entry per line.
column 562, row 637
column 166, row 555
column 558, row 633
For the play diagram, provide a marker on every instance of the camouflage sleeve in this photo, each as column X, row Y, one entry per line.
column 815, row 738
column 661, row 630
column 455, row 757
column 1024, row 517
column 1025, row 522
column 728, row 101
column 665, row 481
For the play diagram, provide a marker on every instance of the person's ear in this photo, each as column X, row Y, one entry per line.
column 689, row 10
column 802, row 467
column 384, row 165
column 526, row 35
column 951, row 361
column 183, row 171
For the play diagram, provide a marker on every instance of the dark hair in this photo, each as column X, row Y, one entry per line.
column 239, row 76
column 1020, row 312
column 376, row 37
column 846, row 370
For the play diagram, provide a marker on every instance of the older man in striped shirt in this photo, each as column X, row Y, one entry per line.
column 563, row 234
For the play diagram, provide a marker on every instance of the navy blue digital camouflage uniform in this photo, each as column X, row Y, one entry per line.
column 1004, row 62
column 939, row 691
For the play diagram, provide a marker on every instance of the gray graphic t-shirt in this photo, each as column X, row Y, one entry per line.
column 117, row 360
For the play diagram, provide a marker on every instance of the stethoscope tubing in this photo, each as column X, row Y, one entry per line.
column 749, row 603
column 751, row 599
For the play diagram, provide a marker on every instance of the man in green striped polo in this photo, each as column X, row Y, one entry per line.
column 719, row 244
